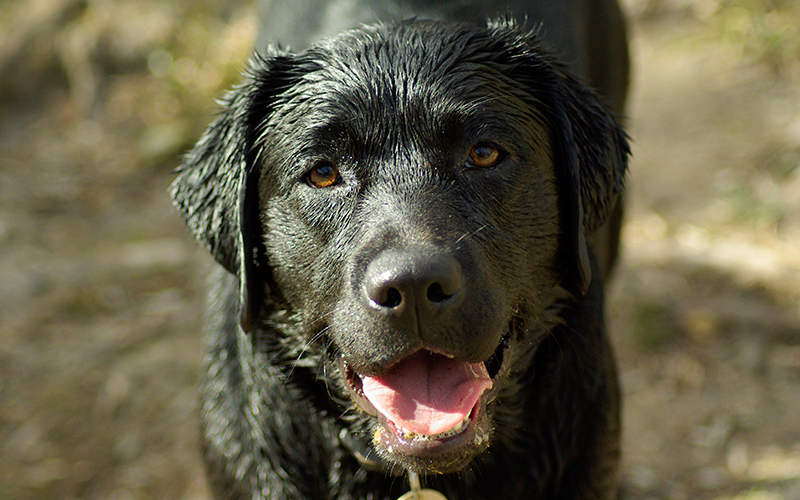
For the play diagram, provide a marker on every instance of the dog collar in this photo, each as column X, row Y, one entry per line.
column 418, row 493
column 361, row 452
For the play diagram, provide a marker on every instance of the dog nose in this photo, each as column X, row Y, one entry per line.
column 413, row 284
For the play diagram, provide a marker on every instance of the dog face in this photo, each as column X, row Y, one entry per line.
column 417, row 199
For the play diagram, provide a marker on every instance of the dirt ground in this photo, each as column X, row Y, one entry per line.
column 101, row 288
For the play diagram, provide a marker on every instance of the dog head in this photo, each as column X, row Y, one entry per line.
column 418, row 198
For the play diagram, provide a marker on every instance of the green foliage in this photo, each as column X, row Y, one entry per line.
column 763, row 31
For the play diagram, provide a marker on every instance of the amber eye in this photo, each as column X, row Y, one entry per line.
column 324, row 174
column 484, row 155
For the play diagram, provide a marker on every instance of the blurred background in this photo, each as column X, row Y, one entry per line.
column 101, row 288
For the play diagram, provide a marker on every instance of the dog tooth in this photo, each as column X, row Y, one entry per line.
column 407, row 434
column 411, row 435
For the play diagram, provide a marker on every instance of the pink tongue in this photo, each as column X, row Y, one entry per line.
column 427, row 393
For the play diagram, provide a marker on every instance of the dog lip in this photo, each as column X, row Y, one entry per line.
column 474, row 430
column 354, row 383
column 354, row 380
column 395, row 441
column 494, row 363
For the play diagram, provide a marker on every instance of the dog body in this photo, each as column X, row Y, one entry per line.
column 402, row 213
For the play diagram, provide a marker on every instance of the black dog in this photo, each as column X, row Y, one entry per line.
column 402, row 213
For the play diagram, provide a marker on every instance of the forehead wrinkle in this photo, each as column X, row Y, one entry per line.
column 403, row 62
column 340, row 117
column 391, row 89
column 379, row 105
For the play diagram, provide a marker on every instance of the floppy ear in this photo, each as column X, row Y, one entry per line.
column 592, row 153
column 216, row 189
column 590, row 148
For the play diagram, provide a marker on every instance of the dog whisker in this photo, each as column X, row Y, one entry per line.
column 470, row 234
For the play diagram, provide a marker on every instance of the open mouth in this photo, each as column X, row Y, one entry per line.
column 429, row 404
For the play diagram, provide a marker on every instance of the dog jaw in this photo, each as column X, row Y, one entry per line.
column 427, row 446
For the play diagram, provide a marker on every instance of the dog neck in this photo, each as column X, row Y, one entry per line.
column 362, row 452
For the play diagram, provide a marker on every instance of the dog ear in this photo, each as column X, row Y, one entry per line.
column 216, row 189
column 590, row 148
column 592, row 153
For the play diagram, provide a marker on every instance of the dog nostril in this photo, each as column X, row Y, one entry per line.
column 382, row 289
column 393, row 298
column 436, row 294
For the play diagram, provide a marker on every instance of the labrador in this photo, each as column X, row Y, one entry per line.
column 404, row 214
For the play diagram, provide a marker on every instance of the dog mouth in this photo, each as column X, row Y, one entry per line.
column 430, row 407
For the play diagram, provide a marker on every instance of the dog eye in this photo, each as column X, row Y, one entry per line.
column 484, row 155
column 323, row 175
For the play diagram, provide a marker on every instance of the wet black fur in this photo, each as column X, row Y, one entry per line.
column 395, row 108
